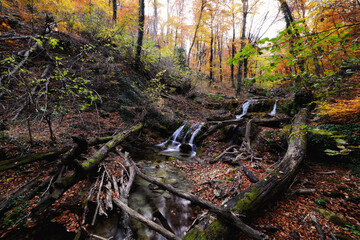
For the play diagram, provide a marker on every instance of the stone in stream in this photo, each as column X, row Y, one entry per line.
column 185, row 148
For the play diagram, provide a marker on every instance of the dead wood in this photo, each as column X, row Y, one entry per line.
column 65, row 182
column 211, row 127
column 124, row 194
column 49, row 155
column 98, row 200
column 274, row 183
column 318, row 227
column 250, row 175
column 17, row 37
column 166, row 233
column 7, row 203
column 223, row 214
column 304, row 191
column 16, row 162
column 222, row 154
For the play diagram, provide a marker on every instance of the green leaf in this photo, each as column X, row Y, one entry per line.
column 340, row 141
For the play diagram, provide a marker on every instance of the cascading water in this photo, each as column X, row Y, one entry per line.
column 245, row 108
column 273, row 112
column 173, row 139
column 178, row 144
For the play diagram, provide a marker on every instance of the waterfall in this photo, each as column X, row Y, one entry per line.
column 178, row 144
column 245, row 108
column 195, row 132
column 173, row 137
column 273, row 112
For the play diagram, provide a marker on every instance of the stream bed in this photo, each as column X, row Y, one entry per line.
column 172, row 212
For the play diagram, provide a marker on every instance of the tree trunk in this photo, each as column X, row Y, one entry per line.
column 232, row 53
column 203, row 4
column 211, row 49
column 266, row 189
column 289, row 19
column 240, row 75
column 140, row 33
column 220, row 43
column 156, row 21
column 114, row 3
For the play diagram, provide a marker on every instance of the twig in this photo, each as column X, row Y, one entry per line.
column 47, row 189
column 99, row 237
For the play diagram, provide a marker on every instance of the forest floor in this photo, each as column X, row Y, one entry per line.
column 336, row 188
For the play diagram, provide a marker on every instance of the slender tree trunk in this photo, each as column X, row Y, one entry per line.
column 232, row 53
column 114, row 2
column 203, row 4
column 240, row 75
column 155, row 21
column 211, row 50
column 220, row 43
column 140, row 33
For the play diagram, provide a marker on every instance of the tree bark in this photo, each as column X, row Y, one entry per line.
column 266, row 189
column 211, row 49
column 156, row 22
column 232, row 47
column 240, row 75
column 114, row 3
column 140, row 33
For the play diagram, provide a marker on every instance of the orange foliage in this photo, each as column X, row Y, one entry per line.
column 343, row 111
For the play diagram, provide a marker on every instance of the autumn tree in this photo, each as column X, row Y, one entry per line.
column 240, row 75
column 140, row 33
column 202, row 7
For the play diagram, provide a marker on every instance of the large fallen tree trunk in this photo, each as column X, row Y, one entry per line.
column 64, row 183
column 268, row 188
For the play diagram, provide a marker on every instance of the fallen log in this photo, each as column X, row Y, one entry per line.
column 212, row 126
column 225, row 215
column 64, row 183
column 16, row 162
column 249, row 174
column 266, row 189
column 166, row 233
column 49, row 155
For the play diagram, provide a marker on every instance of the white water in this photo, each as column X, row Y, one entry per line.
column 174, row 147
column 245, row 108
column 173, row 137
column 273, row 112
column 195, row 133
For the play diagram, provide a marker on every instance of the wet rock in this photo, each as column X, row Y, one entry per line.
column 185, row 148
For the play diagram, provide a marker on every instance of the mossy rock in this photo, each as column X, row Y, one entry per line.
column 233, row 105
column 336, row 219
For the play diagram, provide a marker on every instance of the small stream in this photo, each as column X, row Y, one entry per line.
column 171, row 212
